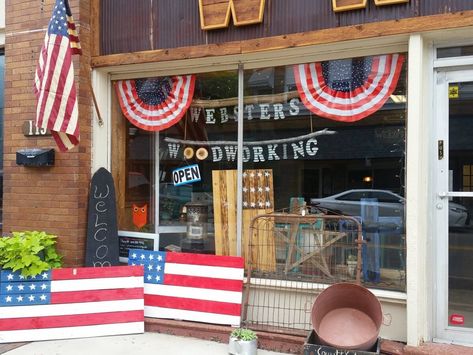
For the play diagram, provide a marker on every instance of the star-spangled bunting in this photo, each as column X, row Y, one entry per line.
column 155, row 104
column 348, row 90
column 54, row 84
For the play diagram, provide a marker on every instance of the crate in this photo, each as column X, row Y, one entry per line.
column 312, row 347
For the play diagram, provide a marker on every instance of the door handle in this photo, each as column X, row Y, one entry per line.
column 444, row 194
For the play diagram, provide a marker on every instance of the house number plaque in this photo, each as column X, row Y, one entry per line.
column 30, row 130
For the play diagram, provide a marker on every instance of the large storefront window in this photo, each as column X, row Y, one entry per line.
column 335, row 149
column 324, row 149
column 181, row 214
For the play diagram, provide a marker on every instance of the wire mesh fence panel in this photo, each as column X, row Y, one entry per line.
column 308, row 253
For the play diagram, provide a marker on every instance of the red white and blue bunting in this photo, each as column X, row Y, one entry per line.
column 155, row 104
column 348, row 90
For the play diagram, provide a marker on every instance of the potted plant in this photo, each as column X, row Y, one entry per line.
column 352, row 263
column 29, row 252
column 243, row 341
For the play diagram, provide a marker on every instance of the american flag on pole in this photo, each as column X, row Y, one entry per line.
column 195, row 287
column 71, row 303
column 155, row 104
column 54, row 79
column 348, row 90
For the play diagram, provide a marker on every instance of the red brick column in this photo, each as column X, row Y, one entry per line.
column 53, row 199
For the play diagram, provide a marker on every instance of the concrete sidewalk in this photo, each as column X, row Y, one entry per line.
column 147, row 343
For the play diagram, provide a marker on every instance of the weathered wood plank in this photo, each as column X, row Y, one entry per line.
column 224, row 202
column 95, row 27
column 365, row 31
column 258, row 244
column 118, row 166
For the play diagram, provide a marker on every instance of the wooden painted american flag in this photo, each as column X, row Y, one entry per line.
column 194, row 287
column 71, row 303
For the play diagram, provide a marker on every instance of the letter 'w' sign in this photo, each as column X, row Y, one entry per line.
column 215, row 14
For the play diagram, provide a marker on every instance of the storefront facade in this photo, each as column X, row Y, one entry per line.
column 362, row 112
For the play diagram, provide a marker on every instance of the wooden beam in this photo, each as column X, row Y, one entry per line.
column 326, row 36
column 95, row 27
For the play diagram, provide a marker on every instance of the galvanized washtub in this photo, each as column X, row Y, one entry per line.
column 347, row 316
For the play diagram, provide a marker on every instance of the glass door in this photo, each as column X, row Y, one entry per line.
column 454, row 206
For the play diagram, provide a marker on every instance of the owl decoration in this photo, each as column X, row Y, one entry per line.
column 140, row 215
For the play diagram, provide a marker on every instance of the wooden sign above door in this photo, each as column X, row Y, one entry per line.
column 215, row 14
column 347, row 5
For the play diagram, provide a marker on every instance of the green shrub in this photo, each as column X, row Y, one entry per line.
column 243, row 334
column 30, row 252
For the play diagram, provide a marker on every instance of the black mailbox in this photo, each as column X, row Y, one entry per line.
column 35, row 157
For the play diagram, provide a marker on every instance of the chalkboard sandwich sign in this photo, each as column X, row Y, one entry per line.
column 313, row 346
column 102, row 247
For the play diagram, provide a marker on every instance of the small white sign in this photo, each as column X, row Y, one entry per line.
column 186, row 175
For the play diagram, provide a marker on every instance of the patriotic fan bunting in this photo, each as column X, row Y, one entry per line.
column 348, row 90
column 155, row 104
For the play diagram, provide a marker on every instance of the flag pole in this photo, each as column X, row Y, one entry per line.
column 95, row 103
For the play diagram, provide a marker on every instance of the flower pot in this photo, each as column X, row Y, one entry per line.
column 347, row 5
column 242, row 347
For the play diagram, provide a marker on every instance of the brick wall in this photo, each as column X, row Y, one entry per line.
column 52, row 199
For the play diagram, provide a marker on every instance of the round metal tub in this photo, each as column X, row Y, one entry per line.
column 347, row 316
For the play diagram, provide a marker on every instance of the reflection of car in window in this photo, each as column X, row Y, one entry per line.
column 390, row 204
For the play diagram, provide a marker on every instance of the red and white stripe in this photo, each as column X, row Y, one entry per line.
column 85, row 302
column 156, row 117
column 354, row 105
column 198, row 287
column 56, row 92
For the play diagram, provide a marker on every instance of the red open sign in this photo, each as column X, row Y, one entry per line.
column 457, row 319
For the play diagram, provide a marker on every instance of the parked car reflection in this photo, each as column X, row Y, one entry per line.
column 389, row 204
